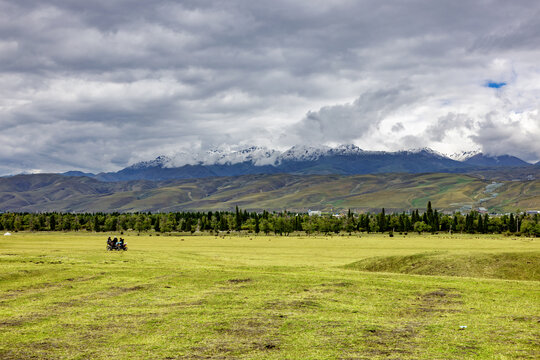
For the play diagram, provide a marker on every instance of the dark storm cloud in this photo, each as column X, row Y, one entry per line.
column 350, row 122
column 97, row 85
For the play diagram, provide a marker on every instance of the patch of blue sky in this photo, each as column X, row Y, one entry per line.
column 495, row 85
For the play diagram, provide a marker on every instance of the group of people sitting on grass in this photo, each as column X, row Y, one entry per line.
column 115, row 244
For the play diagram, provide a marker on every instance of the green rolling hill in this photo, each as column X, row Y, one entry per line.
column 395, row 192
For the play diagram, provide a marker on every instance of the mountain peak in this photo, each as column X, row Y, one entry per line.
column 160, row 161
column 346, row 149
column 304, row 153
column 424, row 150
column 464, row 155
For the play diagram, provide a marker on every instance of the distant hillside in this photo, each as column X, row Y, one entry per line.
column 495, row 161
column 49, row 192
column 520, row 173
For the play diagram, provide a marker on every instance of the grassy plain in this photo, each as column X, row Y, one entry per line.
column 62, row 296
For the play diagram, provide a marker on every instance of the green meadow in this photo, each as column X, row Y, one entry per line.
column 63, row 296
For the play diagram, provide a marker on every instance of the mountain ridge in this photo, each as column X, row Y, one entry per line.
column 495, row 161
column 344, row 159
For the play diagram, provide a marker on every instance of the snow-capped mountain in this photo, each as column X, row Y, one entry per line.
column 257, row 155
column 340, row 160
column 260, row 156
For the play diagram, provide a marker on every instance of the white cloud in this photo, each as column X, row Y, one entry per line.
column 518, row 134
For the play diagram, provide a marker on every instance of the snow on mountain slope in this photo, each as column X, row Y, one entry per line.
column 226, row 155
column 348, row 149
column 160, row 161
column 260, row 156
column 303, row 153
column 306, row 160
column 425, row 150
column 464, row 155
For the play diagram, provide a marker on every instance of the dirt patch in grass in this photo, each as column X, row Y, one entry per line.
column 240, row 338
column 267, row 345
column 12, row 322
column 9, row 294
column 18, row 355
column 335, row 287
column 127, row 316
column 307, row 303
column 232, row 349
column 34, row 289
column 57, row 262
column 389, row 342
column 33, row 350
column 184, row 304
column 470, row 348
column 84, row 278
column 338, row 284
column 441, row 300
column 535, row 319
column 69, row 303
column 44, row 345
column 20, row 321
column 239, row 281
column 29, row 290
column 403, row 340
column 133, row 288
column 23, row 273
column 119, row 290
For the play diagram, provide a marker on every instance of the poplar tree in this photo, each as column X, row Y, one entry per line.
column 238, row 223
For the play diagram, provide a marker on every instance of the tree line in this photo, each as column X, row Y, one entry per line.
column 279, row 223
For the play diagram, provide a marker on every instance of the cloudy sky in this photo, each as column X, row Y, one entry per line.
column 98, row 85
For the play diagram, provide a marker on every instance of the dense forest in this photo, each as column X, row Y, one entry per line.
column 279, row 223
